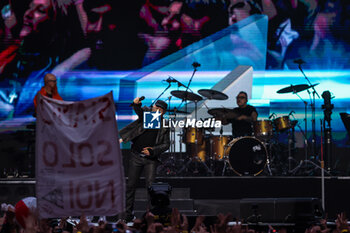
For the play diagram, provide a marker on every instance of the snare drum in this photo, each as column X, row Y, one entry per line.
column 246, row 155
column 218, row 146
column 192, row 134
column 282, row 123
column 263, row 129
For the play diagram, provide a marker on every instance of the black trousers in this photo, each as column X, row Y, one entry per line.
column 137, row 164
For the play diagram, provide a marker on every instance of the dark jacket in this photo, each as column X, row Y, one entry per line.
column 135, row 129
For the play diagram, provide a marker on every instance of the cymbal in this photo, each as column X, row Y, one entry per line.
column 219, row 111
column 213, row 94
column 295, row 88
column 176, row 111
column 185, row 95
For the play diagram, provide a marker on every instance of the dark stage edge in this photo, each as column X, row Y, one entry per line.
column 218, row 191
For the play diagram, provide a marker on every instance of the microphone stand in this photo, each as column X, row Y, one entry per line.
column 188, row 88
column 189, row 82
column 306, row 161
column 313, row 109
column 169, row 85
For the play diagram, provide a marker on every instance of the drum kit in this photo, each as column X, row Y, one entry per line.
column 261, row 153
column 209, row 154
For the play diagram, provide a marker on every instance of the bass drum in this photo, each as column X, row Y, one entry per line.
column 247, row 156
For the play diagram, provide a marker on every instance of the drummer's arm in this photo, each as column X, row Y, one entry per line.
column 230, row 115
column 252, row 117
column 223, row 120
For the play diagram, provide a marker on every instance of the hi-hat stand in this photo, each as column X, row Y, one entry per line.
column 193, row 97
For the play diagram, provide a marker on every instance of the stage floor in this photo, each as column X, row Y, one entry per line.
column 217, row 191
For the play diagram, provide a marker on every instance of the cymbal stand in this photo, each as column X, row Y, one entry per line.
column 172, row 130
column 208, row 170
column 189, row 82
column 224, row 158
column 313, row 109
column 169, row 165
column 306, row 161
column 305, row 125
column 291, row 141
column 211, row 152
column 169, row 85
column 183, row 134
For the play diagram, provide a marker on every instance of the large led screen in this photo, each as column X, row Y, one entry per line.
column 97, row 46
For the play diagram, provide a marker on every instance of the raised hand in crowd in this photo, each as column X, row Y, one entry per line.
column 342, row 223
column 82, row 226
column 221, row 225
column 149, row 217
column 323, row 225
column 121, row 226
column 62, row 226
column 313, row 229
column 155, row 228
column 32, row 226
column 199, row 225
column 137, row 226
column 7, row 222
column 152, row 227
column 178, row 223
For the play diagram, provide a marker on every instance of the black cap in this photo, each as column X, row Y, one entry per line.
column 161, row 104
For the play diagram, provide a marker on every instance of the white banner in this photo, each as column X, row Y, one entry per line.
column 78, row 159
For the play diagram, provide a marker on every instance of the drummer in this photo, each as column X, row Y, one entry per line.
column 241, row 117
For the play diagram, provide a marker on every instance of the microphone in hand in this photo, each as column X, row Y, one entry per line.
column 140, row 99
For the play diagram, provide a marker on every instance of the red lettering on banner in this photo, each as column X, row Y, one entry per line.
column 84, row 194
column 66, row 108
column 86, row 155
column 87, row 192
column 103, row 154
column 72, row 161
column 80, row 108
column 108, row 103
column 48, row 122
column 80, row 113
column 101, row 198
column 46, row 147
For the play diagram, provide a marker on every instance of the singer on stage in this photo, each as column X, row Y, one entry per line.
column 147, row 145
